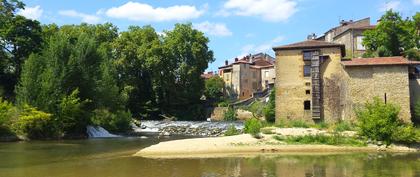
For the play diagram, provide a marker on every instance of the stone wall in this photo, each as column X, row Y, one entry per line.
column 291, row 85
column 366, row 82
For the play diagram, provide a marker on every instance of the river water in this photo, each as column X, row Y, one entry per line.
column 112, row 158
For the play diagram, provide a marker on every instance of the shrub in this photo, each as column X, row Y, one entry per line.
column 298, row 123
column 252, row 126
column 34, row 124
column 343, row 126
column 378, row 121
column 417, row 110
column 321, row 125
column 71, row 116
column 231, row 131
column 269, row 110
column 256, row 108
column 7, row 113
column 230, row 114
column 335, row 139
column 223, row 104
column 118, row 122
column 406, row 133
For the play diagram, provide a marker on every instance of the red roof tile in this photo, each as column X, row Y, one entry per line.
column 397, row 60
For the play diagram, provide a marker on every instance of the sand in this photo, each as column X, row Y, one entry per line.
column 244, row 145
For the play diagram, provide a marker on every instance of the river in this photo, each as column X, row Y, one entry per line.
column 112, row 158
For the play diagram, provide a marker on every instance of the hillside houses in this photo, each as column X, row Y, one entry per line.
column 243, row 77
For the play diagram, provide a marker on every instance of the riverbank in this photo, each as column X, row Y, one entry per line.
column 245, row 144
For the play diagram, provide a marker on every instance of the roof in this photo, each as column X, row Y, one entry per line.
column 379, row 61
column 311, row 44
column 355, row 28
column 259, row 60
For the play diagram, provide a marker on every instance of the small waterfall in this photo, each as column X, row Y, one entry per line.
column 99, row 132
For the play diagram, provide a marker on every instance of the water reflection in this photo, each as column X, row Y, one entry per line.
column 113, row 158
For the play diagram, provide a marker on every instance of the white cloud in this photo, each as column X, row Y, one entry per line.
column 215, row 29
column 264, row 47
column 92, row 19
column 394, row 5
column 144, row 12
column 416, row 2
column 33, row 13
column 269, row 10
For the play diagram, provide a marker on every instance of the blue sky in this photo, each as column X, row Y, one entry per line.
column 235, row 27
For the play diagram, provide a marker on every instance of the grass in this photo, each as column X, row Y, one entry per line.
column 231, row 131
column 335, row 139
column 292, row 123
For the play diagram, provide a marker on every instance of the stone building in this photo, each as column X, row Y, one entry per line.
column 314, row 83
column 349, row 33
column 244, row 77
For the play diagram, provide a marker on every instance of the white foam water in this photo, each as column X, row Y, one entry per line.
column 99, row 132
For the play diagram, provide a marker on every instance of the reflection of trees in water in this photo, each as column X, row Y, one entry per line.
column 344, row 165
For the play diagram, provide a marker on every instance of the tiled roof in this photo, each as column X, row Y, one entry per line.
column 308, row 44
column 207, row 76
column 311, row 44
column 397, row 60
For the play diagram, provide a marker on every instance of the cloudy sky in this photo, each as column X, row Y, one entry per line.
column 235, row 27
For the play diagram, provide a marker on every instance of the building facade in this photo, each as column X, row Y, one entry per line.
column 314, row 83
column 244, row 77
column 349, row 33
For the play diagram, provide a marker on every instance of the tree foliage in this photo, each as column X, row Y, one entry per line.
column 214, row 88
column 394, row 36
column 270, row 109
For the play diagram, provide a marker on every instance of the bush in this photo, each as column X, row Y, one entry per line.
column 231, row 131
column 34, row 124
column 269, row 110
column 230, row 114
column 417, row 110
column 298, row 123
column 118, row 122
column 72, row 119
column 7, row 113
column 335, row 139
column 379, row 121
column 406, row 133
column 343, row 126
column 252, row 126
column 256, row 108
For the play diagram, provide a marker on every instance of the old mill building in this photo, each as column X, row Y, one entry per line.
column 314, row 83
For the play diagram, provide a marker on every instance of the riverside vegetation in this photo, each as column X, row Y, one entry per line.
column 55, row 80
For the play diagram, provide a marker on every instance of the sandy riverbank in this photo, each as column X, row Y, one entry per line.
column 244, row 145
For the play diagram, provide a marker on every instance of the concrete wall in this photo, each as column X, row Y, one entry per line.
column 366, row 82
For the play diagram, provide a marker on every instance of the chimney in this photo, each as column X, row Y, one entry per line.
column 236, row 59
column 226, row 62
column 311, row 36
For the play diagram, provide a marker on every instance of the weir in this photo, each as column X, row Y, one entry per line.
column 99, row 132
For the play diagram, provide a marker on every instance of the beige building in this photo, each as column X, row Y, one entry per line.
column 244, row 77
column 314, row 83
column 349, row 33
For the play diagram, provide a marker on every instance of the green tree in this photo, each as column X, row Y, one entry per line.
column 19, row 37
column 188, row 55
column 270, row 109
column 72, row 117
column 214, row 88
column 141, row 68
column 392, row 36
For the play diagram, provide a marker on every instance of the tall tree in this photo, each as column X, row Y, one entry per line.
column 393, row 36
column 188, row 55
column 138, row 54
column 19, row 37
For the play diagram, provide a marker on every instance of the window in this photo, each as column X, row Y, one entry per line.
column 308, row 92
column 307, row 83
column 306, row 70
column 266, row 73
column 307, row 55
column 254, row 85
column 254, row 75
column 359, row 40
column 307, row 105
